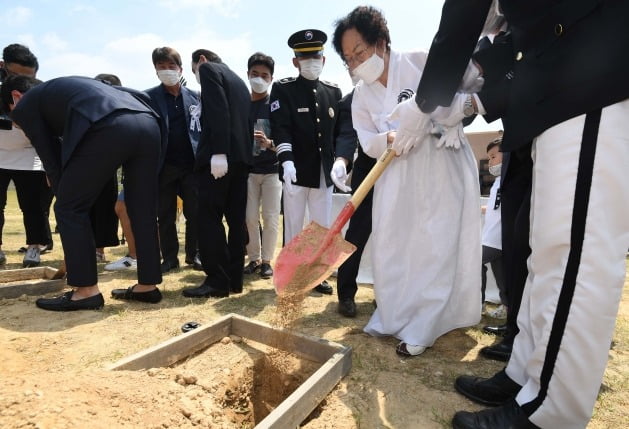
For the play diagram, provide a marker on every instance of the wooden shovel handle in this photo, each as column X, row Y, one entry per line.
column 374, row 173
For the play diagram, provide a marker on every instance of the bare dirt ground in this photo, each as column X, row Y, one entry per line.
column 52, row 365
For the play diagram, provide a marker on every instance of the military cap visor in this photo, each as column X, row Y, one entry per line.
column 307, row 42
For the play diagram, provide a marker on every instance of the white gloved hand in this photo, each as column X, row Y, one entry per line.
column 290, row 175
column 453, row 115
column 339, row 175
column 413, row 126
column 472, row 80
column 218, row 165
column 452, row 137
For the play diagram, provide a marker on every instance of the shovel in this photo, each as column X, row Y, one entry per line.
column 313, row 254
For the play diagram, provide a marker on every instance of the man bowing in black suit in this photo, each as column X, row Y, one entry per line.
column 83, row 130
column 222, row 164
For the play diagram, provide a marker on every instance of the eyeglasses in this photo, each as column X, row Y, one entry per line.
column 356, row 59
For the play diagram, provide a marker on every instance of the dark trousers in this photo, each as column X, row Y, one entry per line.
column 515, row 194
column 46, row 197
column 123, row 138
column 357, row 233
column 103, row 216
column 223, row 257
column 493, row 257
column 29, row 186
column 177, row 181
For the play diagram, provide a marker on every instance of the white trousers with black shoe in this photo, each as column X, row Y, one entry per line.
column 319, row 203
column 579, row 238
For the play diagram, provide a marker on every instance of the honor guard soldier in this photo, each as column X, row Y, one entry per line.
column 304, row 110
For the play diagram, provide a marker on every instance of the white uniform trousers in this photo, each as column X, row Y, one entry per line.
column 319, row 203
column 579, row 238
column 264, row 193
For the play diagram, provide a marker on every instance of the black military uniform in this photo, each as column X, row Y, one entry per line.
column 303, row 118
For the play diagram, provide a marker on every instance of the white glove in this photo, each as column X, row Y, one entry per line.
column 290, row 175
column 451, row 137
column 218, row 165
column 414, row 125
column 472, row 80
column 339, row 175
column 453, row 115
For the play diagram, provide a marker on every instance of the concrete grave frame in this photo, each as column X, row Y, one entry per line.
column 335, row 359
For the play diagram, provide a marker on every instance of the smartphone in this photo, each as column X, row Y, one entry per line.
column 6, row 124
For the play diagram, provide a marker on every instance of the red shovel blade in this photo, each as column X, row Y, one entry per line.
column 309, row 258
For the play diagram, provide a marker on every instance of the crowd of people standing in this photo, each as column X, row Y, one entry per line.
column 241, row 155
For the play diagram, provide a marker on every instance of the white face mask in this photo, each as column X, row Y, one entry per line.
column 495, row 170
column 169, row 77
column 259, row 85
column 370, row 70
column 311, row 68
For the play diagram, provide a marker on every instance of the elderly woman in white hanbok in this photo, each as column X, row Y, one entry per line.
column 426, row 215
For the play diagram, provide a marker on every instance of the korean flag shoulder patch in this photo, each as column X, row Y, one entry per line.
column 275, row 105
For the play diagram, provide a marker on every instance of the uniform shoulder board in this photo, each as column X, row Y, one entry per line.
column 288, row 80
column 332, row 84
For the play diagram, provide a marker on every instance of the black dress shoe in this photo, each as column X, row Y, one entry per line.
column 506, row 416
column 169, row 265
column 153, row 296
column 65, row 303
column 496, row 330
column 204, row 291
column 493, row 391
column 347, row 307
column 324, row 288
column 500, row 351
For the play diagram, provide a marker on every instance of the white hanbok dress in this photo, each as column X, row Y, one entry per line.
column 426, row 221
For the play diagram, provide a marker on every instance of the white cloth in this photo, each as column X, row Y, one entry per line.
column 597, row 272
column 16, row 152
column 319, row 203
column 426, row 222
column 492, row 229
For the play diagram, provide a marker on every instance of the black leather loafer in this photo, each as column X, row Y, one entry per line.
column 152, row 296
column 496, row 330
column 204, row 291
column 493, row 391
column 65, row 303
column 500, row 351
column 324, row 288
column 347, row 307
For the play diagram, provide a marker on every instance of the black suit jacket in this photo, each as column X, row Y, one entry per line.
column 226, row 127
column 303, row 124
column 55, row 115
column 570, row 57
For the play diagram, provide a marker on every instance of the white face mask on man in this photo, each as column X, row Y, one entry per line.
column 495, row 170
column 311, row 68
column 259, row 85
column 169, row 77
column 370, row 70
